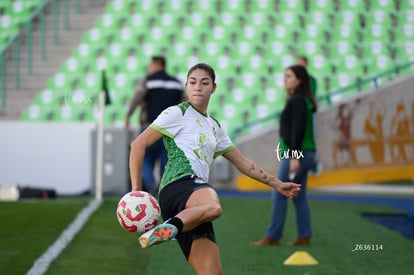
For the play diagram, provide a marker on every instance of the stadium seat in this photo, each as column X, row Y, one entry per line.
column 354, row 5
column 263, row 6
column 249, row 43
column 35, row 113
column 325, row 6
column 292, row 6
column 406, row 5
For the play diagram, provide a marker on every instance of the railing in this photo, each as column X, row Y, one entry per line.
column 327, row 98
column 11, row 50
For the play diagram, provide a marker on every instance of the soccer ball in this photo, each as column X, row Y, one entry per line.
column 138, row 212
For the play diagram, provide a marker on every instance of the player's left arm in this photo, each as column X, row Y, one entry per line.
column 251, row 169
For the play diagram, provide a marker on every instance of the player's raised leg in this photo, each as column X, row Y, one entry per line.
column 202, row 206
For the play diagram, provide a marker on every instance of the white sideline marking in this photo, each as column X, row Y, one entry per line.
column 42, row 263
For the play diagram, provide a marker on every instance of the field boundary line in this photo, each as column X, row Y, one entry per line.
column 42, row 263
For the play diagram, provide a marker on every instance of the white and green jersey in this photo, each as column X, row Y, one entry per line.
column 192, row 140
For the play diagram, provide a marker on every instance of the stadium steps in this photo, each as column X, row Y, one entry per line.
column 42, row 70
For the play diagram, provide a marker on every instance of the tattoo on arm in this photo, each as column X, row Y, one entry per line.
column 266, row 178
column 251, row 169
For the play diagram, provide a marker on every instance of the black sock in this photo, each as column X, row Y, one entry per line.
column 177, row 222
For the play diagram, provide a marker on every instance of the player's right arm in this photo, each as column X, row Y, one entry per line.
column 137, row 153
column 251, row 169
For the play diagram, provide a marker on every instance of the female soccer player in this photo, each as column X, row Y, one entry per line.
column 188, row 203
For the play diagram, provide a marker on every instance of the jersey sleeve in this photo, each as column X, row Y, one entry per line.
column 168, row 122
column 224, row 143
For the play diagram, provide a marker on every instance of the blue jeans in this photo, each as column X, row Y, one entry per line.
column 279, row 207
column 152, row 154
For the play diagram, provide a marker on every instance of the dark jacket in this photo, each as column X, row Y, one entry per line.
column 296, row 124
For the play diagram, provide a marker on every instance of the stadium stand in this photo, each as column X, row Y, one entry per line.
column 13, row 14
column 248, row 42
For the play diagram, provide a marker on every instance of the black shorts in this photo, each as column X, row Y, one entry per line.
column 173, row 199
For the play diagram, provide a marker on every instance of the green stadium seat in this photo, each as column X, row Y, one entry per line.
column 381, row 16
column 234, row 6
column 239, row 97
column 340, row 47
column 251, row 42
column 263, row 6
column 313, row 32
column 346, row 32
column 277, row 80
column 259, row 19
column 122, row 83
column 376, row 31
column 59, row 82
column 91, row 83
column 319, row 64
column 351, row 65
column 291, row 6
column 354, row 5
column 48, row 99
column 318, row 18
column 376, row 47
column 148, row 7
column 233, row 114
column 405, row 32
column 33, row 4
column 347, row 17
column 35, row 113
column 92, row 40
column 271, row 96
column 206, row 7
column 406, row 5
column 383, row 62
column 281, row 33
column 227, row 19
column 290, row 19
column 386, row 5
column 115, row 52
column 8, row 28
column 122, row 8
column 139, row 22
column 4, row 5
column 68, row 113
column 325, row 6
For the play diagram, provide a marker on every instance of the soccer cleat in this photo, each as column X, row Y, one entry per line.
column 160, row 233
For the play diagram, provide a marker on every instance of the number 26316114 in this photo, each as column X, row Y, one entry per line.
column 368, row 247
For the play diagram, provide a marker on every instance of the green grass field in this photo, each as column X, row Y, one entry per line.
column 103, row 247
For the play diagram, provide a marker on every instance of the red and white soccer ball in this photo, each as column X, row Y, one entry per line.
column 138, row 212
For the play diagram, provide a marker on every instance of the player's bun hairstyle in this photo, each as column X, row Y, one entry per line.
column 304, row 86
column 205, row 67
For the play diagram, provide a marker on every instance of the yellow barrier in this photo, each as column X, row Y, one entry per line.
column 345, row 176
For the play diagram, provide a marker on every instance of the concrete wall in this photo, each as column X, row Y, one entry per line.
column 375, row 129
column 62, row 156
column 46, row 155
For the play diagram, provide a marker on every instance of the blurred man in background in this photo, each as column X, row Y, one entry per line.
column 154, row 93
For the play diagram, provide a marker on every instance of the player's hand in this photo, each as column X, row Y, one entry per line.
column 289, row 189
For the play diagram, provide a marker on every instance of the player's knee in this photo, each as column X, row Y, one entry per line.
column 215, row 210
